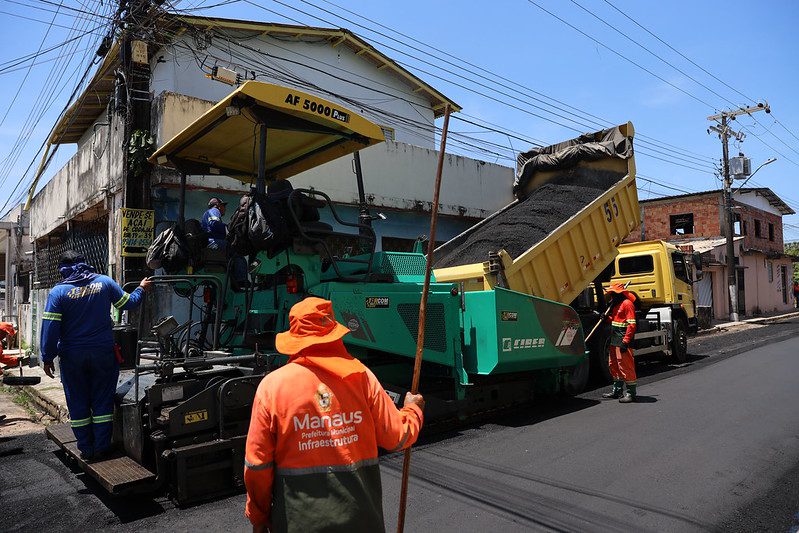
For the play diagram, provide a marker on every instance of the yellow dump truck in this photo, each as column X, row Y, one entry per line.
column 563, row 230
column 576, row 202
column 662, row 276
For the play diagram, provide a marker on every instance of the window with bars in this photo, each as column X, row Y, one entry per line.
column 89, row 238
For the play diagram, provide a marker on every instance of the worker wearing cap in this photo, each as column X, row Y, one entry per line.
column 213, row 225
column 311, row 456
column 622, row 332
column 6, row 331
column 77, row 328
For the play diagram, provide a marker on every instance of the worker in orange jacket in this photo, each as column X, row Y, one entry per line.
column 622, row 331
column 7, row 331
column 311, row 455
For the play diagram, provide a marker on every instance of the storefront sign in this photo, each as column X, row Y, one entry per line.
column 137, row 231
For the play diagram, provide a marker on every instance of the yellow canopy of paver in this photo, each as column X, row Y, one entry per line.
column 302, row 131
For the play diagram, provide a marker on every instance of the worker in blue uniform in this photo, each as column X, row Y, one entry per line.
column 77, row 327
column 213, row 225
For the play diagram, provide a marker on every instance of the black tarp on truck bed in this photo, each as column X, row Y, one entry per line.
column 552, row 187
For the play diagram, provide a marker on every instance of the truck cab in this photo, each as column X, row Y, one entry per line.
column 662, row 276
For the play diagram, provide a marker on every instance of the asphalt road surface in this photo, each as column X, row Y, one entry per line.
column 712, row 446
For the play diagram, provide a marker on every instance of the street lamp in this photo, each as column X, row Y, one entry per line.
column 766, row 162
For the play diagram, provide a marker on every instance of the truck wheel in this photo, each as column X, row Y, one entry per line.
column 599, row 359
column 577, row 378
column 679, row 342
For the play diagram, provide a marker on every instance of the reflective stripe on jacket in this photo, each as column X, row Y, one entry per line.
column 77, row 315
column 311, row 457
column 622, row 320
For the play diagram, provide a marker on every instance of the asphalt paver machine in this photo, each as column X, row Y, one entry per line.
column 183, row 414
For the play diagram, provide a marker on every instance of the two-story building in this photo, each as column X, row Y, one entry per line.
column 80, row 207
column 697, row 222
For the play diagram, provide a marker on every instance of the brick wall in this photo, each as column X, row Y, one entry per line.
column 709, row 221
column 748, row 215
column 707, row 211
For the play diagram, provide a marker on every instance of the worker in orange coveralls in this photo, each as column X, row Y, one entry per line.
column 620, row 358
column 311, row 456
column 6, row 331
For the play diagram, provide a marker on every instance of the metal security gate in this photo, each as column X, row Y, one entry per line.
column 89, row 238
column 704, row 290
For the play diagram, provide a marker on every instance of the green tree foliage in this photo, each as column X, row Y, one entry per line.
column 792, row 248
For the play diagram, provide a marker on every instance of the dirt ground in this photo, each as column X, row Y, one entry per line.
column 20, row 417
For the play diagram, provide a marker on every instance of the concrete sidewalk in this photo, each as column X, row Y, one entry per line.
column 48, row 395
column 724, row 326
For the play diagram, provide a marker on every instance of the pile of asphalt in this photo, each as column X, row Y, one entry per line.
column 525, row 224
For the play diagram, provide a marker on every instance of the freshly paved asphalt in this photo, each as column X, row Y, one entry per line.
column 713, row 446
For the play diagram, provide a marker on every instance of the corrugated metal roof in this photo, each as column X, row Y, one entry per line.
column 704, row 245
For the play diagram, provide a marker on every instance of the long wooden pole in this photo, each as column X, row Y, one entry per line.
column 602, row 317
column 417, row 364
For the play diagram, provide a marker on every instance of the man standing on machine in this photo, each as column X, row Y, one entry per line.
column 213, row 225
column 622, row 332
column 311, row 455
column 77, row 327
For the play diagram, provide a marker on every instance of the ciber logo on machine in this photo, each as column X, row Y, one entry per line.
column 324, row 397
column 353, row 324
column 377, row 302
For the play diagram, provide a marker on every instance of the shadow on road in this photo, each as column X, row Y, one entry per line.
column 127, row 508
column 11, row 451
column 536, row 501
column 645, row 399
column 519, row 416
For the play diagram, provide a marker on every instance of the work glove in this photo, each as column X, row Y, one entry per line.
column 624, row 346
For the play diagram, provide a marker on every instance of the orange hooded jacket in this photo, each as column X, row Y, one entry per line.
column 311, row 456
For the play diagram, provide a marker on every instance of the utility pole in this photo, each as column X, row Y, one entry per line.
column 133, row 102
column 725, row 132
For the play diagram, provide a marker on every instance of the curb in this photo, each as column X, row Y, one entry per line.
column 772, row 319
column 762, row 321
column 59, row 413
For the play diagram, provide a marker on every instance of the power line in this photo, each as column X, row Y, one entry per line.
column 709, row 74
column 784, row 127
column 700, row 67
column 512, row 152
column 42, row 62
column 708, row 168
column 50, row 24
column 603, row 45
column 33, row 55
column 328, row 73
column 759, row 138
column 75, row 91
column 24, row 79
column 626, row 36
column 44, row 101
column 519, row 86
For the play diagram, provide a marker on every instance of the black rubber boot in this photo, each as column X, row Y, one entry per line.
column 616, row 392
column 629, row 396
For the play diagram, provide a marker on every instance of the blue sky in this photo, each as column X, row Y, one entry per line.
column 750, row 46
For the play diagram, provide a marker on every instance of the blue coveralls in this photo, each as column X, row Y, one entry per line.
column 217, row 231
column 77, row 327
